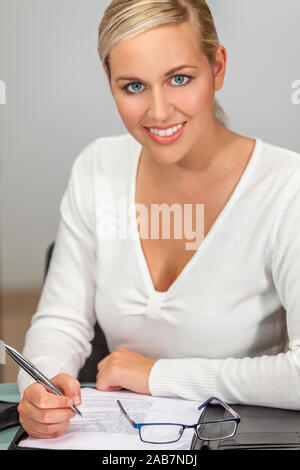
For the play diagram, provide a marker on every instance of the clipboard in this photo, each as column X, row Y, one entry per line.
column 261, row 428
column 21, row 434
column 9, row 416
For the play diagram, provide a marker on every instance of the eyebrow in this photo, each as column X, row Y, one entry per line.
column 166, row 74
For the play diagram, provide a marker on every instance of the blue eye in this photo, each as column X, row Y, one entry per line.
column 136, row 85
column 180, row 76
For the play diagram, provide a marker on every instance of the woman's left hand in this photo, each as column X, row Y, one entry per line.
column 124, row 368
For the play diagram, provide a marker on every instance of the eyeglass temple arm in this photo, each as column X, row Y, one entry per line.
column 133, row 423
column 234, row 413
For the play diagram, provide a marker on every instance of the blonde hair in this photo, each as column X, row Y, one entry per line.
column 123, row 19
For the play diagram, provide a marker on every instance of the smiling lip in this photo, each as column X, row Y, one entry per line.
column 168, row 139
column 163, row 128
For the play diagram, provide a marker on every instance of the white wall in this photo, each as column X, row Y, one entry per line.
column 58, row 101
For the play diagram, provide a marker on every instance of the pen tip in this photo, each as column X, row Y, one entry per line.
column 74, row 408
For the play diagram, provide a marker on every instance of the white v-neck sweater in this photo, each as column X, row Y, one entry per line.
column 222, row 326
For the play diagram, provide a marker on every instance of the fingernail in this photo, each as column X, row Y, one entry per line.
column 70, row 402
column 76, row 400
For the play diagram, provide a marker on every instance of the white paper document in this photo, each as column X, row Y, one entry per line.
column 104, row 426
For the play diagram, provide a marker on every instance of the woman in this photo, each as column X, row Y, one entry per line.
column 210, row 320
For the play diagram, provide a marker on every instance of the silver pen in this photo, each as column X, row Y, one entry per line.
column 35, row 373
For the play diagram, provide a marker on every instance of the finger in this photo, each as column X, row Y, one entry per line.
column 109, row 389
column 100, row 385
column 69, row 386
column 38, row 396
column 46, row 415
column 45, row 431
column 104, row 387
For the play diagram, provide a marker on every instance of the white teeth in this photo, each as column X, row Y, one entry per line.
column 166, row 132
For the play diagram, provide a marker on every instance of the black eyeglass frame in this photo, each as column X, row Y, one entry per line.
column 236, row 419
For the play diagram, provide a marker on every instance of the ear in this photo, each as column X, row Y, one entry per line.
column 220, row 67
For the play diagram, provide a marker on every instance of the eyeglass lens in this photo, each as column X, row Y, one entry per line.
column 217, row 430
column 213, row 431
column 161, row 433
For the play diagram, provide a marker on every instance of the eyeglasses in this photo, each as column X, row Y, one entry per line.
column 166, row 433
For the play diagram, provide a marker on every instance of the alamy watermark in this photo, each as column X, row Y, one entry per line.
column 2, row 352
column 2, row 92
column 119, row 221
column 296, row 93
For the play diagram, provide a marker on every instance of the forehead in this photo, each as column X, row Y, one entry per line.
column 166, row 46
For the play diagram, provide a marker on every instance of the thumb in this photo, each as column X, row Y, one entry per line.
column 69, row 386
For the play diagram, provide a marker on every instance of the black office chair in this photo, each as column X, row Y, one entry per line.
column 88, row 371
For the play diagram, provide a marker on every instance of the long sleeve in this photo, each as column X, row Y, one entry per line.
column 58, row 339
column 267, row 380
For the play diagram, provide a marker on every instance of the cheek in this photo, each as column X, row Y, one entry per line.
column 198, row 99
column 130, row 110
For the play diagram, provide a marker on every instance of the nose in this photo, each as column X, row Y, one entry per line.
column 160, row 107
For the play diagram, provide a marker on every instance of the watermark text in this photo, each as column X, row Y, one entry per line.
column 2, row 353
column 120, row 221
column 296, row 93
column 2, row 92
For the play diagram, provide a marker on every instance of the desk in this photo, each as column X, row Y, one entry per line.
column 10, row 392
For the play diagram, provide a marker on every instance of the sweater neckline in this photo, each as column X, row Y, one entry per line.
column 188, row 266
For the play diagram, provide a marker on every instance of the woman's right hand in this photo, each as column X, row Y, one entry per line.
column 45, row 415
